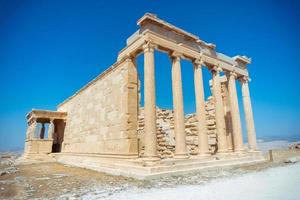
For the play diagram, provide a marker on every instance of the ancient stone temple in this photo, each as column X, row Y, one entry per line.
column 103, row 127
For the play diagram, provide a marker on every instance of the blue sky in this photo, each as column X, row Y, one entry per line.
column 50, row 49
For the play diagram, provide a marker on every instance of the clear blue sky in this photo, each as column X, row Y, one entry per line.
column 50, row 49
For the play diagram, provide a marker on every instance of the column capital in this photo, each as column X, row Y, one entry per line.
column 149, row 46
column 129, row 58
column 216, row 69
column 198, row 62
column 51, row 120
column 232, row 74
column 32, row 121
column 244, row 79
column 175, row 55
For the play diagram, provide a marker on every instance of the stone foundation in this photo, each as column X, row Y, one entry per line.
column 137, row 168
column 38, row 147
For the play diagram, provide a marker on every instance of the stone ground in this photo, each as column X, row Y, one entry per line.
column 57, row 181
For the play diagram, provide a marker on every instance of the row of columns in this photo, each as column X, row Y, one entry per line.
column 31, row 130
column 179, row 126
column 235, row 113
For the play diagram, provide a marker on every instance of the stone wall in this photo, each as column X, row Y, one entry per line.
column 166, row 135
column 102, row 116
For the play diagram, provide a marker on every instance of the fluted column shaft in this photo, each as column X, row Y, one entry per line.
column 248, row 115
column 51, row 129
column 200, row 109
column 235, row 113
column 179, row 126
column 220, row 119
column 149, row 101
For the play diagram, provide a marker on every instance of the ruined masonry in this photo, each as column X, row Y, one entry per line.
column 104, row 128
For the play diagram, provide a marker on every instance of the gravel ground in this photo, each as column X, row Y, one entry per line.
column 57, row 181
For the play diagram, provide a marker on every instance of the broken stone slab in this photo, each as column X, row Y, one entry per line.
column 292, row 160
column 295, row 146
column 2, row 173
column 9, row 170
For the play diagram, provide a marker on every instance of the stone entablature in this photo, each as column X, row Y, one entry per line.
column 45, row 114
column 169, row 38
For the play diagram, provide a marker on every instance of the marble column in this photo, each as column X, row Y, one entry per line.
column 203, row 149
column 248, row 114
column 235, row 113
column 179, row 126
column 51, row 129
column 220, row 119
column 149, row 101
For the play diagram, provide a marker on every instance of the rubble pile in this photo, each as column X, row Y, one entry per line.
column 165, row 131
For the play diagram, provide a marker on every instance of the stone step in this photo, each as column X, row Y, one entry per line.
column 134, row 167
column 188, row 167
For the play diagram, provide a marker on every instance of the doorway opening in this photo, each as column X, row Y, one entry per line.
column 58, row 135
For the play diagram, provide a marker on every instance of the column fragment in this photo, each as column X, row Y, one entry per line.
column 220, row 119
column 200, row 109
column 179, row 127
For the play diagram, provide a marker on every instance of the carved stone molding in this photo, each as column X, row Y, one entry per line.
column 229, row 74
column 129, row 58
column 216, row 69
column 244, row 79
column 175, row 55
column 198, row 62
column 149, row 46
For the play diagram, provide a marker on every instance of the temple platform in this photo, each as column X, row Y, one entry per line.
column 139, row 169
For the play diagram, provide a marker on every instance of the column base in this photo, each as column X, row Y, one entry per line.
column 203, row 155
column 221, row 152
column 181, row 156
column 239, row 150
column 253, row 150
column 151, row 160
